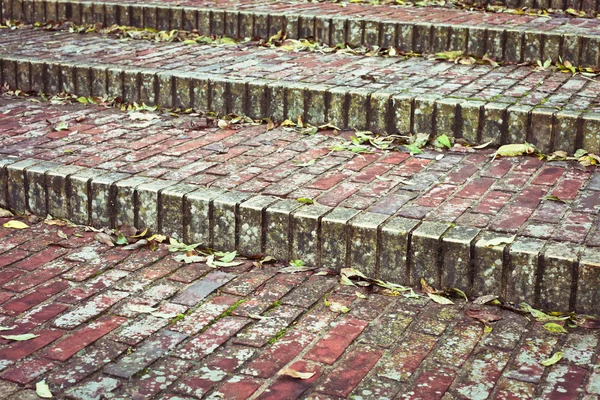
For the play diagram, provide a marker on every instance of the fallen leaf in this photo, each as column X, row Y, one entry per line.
column 498, row 241
column 485, row 299
column 554, row 198
column 259, row 317
column 137, row 245
column 7, row 328
column 5, row 213
column 556, row 357
column 189, row 259
column 554, row 328
column 121, row 240
column 513, row 150
column 292, row 269
column 62, row 235
column 439, row 299
column 104, row 238
column 142, row 308
column 443, row 141
column 305, row 200
column 483, row 315
column 61, row 126
column 20, row 338
column 338, row 308
column 42, row 390
column 296, row 374
column 15, row 225
column 483, row 145
column 426, row 287
column 360, row 295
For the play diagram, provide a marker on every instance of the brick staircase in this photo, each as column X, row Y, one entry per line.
column 476, row 103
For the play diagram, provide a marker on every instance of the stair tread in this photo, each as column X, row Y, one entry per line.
column 506, row 85
column 394, row 13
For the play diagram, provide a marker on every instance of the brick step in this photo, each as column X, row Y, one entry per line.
column 553, row 275
column 588, row 7
column 391, row 215
column 478, row 103
column 504, row 37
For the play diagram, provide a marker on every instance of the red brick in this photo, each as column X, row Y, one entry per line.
column 395, row 158
column 548, row 176
column 450, row 210
column 333, row 345
column 575, row 227
column 563, row 382
column 89, row 309
column 348, row 373
column 530, row 197
column 476, row 188
column 497, row 168
column 68, row 346
column 37, row 277
column 208, row 341
column 203, row 315
column 37, row 260
column 359, row 162
column 411, row 166
column 338, row 194
column 511, row 219
column 460, row 176
column 430, row 385
column 238, row 388
column 8, row 274
column 493, row 202
column 12, row 256
column 286, row 387
column 370, row 173
column 436, row 195
column 278, row 355
column 154, row 380
column 407, row 357
column 328, row 181
column 41, row 294
column 28, row 370
column 35, row 318
column 567, row 188
column 18, row 350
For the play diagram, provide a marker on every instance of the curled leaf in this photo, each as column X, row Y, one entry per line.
column 556, row 357
column 20, row 338
column 104, row 238
column 296, row 374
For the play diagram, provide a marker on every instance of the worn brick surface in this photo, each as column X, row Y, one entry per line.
column 385, row 346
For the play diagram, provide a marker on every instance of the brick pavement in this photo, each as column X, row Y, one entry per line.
column 508, row 104
column 505, row 37
column 390, row 214
column 134, row 329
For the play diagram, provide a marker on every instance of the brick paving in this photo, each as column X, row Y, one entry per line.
column 375, row 211
column 503, row 37
column 101, row 344
column 507, row 104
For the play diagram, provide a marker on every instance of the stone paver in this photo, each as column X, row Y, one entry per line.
column 435, row 351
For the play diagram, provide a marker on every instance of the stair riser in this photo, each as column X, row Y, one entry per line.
column 548, row 274
column 380, row 112
column 505, row 45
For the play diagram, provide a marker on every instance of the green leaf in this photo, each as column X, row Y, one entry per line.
column 42, row 390
column 413, row 149
column 83, row 100
column 554, row 328
column 444, row 141
column 556, row 357
column 297, row 263
column 554, row 198
column 580, row 153
column 20, row 338
column 121, row 239
column 226, row 257
column 305, row 200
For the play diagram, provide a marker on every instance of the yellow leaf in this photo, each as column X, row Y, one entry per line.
column 15, row 225
column 556, row 357
column 554, row 328
column 439, row 299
